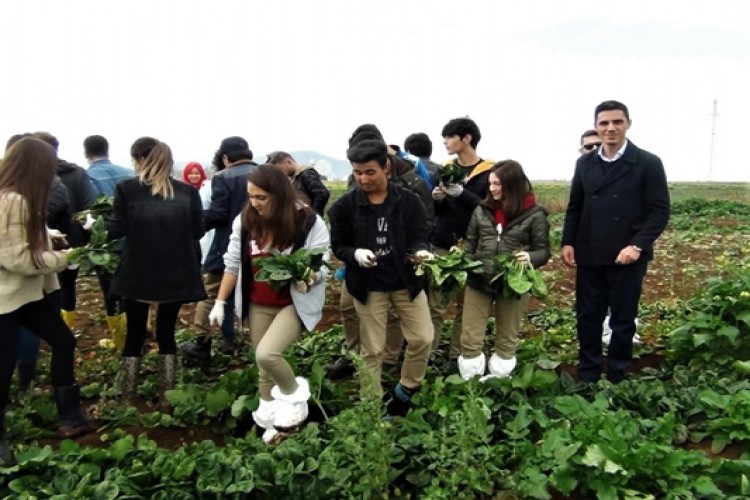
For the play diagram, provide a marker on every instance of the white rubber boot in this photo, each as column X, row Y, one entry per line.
column 499, row 367
column 264, row 417
column 291, row 409
column 468, row 368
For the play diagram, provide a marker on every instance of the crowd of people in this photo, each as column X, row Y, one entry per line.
column 397, row 210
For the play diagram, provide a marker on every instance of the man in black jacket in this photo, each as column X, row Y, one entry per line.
column 234, row 160
column 81, row 196
column 374, row 228
column 618, row 207
column 306, row 180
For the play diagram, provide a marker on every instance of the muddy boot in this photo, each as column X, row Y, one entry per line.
column 197, row 352
column 118, row 329
column 342, row 369
column 26, row 374
column 7, row 459
column 167, row 379
column 128, row 378
column 72, row 421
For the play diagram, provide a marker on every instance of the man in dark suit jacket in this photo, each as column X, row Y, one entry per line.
column 619, row 205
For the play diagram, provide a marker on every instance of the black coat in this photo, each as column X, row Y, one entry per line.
column 629, row 205
column 81, row 195
column 161, row 254
column 228, row 198
column 353, row 227
column 58, row 207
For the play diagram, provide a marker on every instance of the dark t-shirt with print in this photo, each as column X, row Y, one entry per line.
column 384, row 277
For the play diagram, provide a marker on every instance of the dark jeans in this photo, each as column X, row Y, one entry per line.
column 28, row 343
column 598, row 288
column 43, row 318
column 166, row 319
column 113, row 305
column 67, row 279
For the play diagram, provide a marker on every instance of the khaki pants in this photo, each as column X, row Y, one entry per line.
column 211, row 281
column 394, row 338
column 417, row 330
column 508, row 316
column 272, row 330
column 437, row 314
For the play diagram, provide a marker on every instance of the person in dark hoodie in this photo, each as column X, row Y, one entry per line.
column 234, row 161
column 58, row 217
column 81, row 195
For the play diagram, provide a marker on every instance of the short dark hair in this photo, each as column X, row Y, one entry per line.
column 48, row 138
column 588, row 133
column 368, row 150
column 95, row 146
column 15, row 138
column 463, row 127
column 419, row 144
column 611, row 106
column 277, row 157
column 365, row 132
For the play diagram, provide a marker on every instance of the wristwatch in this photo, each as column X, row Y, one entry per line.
column 636, row 248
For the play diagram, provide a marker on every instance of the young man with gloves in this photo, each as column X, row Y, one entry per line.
column 454, row 204
column 374, row 229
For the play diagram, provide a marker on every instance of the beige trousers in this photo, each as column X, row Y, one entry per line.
column 394, row 338
column 438, row 308
column 508, row 316
column 272, row 330
column 417, row 330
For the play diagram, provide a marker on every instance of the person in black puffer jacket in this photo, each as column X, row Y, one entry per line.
column 81, row 195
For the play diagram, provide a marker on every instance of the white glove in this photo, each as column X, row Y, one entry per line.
column 424, row 255
column 89, row 222
column 216, row 316
column 438, row 193
column 523, row 257
column 454, row 190
column 303, row 286
column 365, row 258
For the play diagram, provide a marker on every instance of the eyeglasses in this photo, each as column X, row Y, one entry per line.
column 592, row 146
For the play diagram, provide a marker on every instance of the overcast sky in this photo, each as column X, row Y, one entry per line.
column 302, row 75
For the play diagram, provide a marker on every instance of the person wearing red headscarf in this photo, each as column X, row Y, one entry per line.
column 194, row 175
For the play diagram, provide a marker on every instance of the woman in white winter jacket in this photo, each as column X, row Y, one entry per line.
column 274, row 219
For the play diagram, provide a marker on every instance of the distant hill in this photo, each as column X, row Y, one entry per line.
column 332, row 168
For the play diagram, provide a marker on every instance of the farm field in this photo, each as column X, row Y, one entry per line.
column 679, row 427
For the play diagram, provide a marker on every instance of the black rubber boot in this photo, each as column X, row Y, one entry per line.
column 72, row 421
column 26, row 374
column 342, row 369
column 7, row 459
column 400, row 402
column 197, row 352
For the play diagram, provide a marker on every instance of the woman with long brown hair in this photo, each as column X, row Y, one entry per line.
column 274, row 220
column 28, row 268
column 508, row 221
column 161, row 221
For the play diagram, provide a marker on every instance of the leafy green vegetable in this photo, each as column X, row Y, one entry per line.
column 99, row 252
column 452, row 173
column 103, row 206
column 449, row 272
column 281, row 269
column 517, row 278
